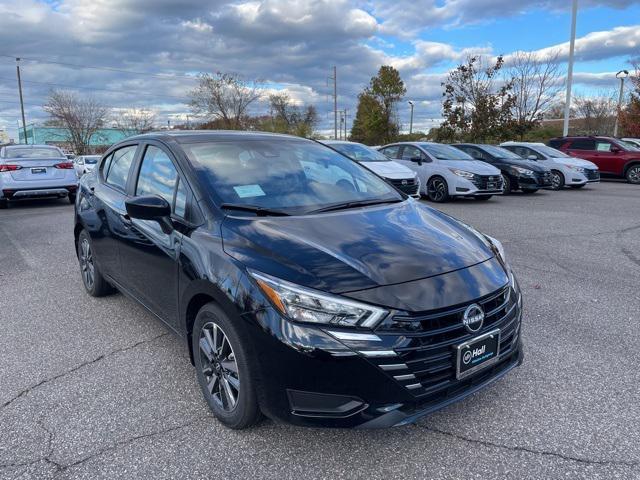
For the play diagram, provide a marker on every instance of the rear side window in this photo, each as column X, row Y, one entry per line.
column 410, row 152
column 582, row 144
column 391, row 152
column 117, row 166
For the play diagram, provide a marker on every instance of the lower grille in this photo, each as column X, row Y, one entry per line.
column 409, row 186
column 591, row 174
column 425, row 362
column 487, row 182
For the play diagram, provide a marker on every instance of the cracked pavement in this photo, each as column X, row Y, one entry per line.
column 98, row 388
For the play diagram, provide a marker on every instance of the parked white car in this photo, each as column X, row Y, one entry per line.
column 445, row 171
column 565, row 170
column 634, row 142
column 85, row 163
column 398, row 175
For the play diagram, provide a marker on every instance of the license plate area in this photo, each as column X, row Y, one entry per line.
column 491, row 186
column 478, row 353
column 39, row 170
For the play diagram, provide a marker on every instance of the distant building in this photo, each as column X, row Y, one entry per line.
column 4, row 138
column 100, row 141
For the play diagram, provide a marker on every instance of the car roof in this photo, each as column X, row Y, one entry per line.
column 528, row 144
column 187, row 136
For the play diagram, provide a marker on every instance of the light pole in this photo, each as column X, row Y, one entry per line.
column 567, row 102
column 622, row 74
column 411, row 118
column 24, row 123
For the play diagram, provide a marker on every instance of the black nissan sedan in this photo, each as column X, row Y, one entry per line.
column 305, row 287
column 517, row 173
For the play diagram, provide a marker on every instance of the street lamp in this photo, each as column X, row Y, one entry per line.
column 622, row 74
column 411, row 121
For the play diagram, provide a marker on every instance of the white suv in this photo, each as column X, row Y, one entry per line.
column 445, row 171
column 398, row 175
column 565, row 170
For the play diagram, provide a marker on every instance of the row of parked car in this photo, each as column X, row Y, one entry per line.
column 440, row 172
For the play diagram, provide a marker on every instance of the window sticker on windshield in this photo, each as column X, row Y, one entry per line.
column 245, row 191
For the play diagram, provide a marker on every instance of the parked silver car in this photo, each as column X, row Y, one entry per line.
column 31, row 171
column 85, row 163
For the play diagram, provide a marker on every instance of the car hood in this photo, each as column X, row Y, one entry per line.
column 531, row 165
column 575, row 162
column 473, row 166
column 355, row 249
column 389, row 169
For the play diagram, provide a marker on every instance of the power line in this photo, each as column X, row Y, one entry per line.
column 165, row 76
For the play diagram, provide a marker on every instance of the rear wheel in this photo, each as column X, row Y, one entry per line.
column 92, row 279
column 557, row 180
column 633, row 174
column 483, row 197
column 220, row 350
column 437, row 190
column 577, row 186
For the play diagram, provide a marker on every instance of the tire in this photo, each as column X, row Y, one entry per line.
column 506, row 185
column 4, row 203
column 483, row 198
column 437, row 190
column 633, row 174
column 92, row 279
column 578, row 186
column 227, row 374
column 529, row 190
column 72, row 198
column 557, row 180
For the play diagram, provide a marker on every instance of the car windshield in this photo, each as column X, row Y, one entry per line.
column 500, row 152
column 445, row 152
column 359, row 152
column 33, row 152
column 551, row 152
column 288, row 175
column 92, row 160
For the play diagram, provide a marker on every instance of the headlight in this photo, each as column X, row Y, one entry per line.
column 577, row 169
column 498, row 245
column 463, row 173
column 523, row 171
column 305, row 305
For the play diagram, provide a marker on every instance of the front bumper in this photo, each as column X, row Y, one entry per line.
column 322, row 377
column 480, row 185
column 534, row 182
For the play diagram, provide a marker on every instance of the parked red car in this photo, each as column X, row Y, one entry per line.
column 612, row 156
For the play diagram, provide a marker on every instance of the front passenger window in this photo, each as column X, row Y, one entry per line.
column 117, row 167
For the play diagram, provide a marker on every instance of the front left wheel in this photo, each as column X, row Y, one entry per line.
column 633, row 174
column 437, row 190
column 221, row 354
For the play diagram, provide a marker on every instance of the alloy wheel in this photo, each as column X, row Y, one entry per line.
column 86, row 264
column 556, row 181
column 437, row 190
column 219, row 367
column 633, row 175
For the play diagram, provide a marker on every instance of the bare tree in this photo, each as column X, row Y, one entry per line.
column 133, row 121
column 224, row 97
column 81, row 117
column 595, row 115
column 536, row 83
column 290, row 118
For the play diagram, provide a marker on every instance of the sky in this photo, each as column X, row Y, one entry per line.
column 148, row 53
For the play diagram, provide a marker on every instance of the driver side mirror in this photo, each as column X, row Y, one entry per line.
column 417, row 160
column 532, row 157
column 151, row 207
column 615, row 149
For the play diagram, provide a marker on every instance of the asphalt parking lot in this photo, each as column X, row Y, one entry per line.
column 97, row 388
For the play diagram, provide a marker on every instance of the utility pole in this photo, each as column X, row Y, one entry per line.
column 335, row 102
column 24, row 123
column 411, row 120
column 345, row 124
column 622, row 74
column 567, row 102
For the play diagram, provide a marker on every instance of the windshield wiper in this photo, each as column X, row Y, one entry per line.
column 353, row 204
column 259, row 211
